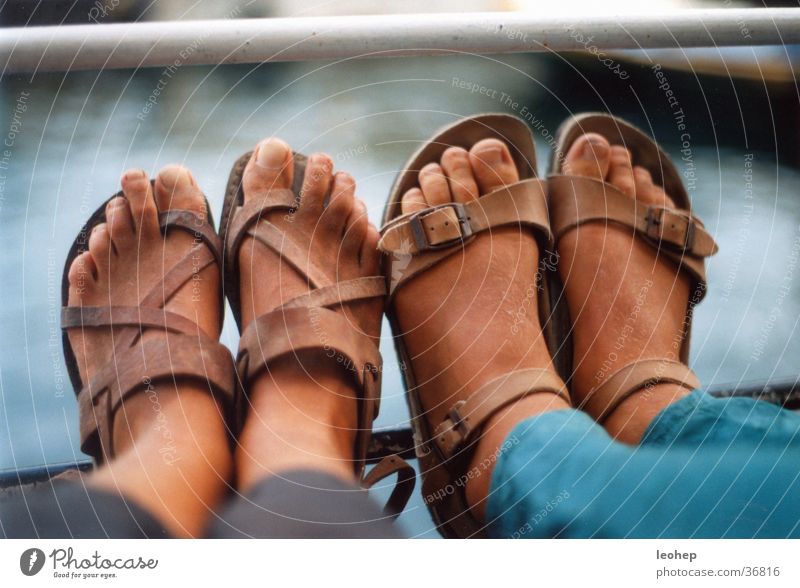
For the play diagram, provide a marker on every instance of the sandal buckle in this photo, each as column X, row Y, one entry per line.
column 459, row 423
column 655, row 220
column 421, row 239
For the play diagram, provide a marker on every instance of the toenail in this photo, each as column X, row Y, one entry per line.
column 134, row 174
column 174, row 178
column 271, row 154
column 594, row 149
column 491, row 156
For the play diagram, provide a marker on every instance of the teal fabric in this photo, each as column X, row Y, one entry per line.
column 706, row 468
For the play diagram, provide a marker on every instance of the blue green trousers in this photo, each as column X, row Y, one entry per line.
column 706, row 468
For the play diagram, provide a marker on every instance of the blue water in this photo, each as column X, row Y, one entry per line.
column 63, row 155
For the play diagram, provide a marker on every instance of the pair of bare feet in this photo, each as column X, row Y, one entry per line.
column 305, row 418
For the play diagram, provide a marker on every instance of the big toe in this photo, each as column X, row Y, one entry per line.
column 588, row 156
column 493, row 165
column 271, row 167
column 176, row 189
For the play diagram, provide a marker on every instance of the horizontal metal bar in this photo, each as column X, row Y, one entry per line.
column 784, row 393
column 177, row 43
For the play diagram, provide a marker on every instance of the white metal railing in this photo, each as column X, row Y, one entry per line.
column 160, row 44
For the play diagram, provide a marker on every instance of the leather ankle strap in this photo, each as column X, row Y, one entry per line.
column 466, row 418
column 602, row 401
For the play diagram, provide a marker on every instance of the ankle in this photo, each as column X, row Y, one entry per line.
column 298, row 422
column 495, row 440
column 629, row 421
column 178, row 461
column 147, row 412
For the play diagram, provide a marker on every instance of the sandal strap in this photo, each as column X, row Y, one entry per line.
column 185, row 352
column 127, row 316
column 466, row 418
column 151, row 311
column 417, row 241
column 340, row 293
column 602, row 401
column 196, row 225
column 249, row 220
column 576, row 200
column 289, row 332
column 403, row 489
column 170, row 358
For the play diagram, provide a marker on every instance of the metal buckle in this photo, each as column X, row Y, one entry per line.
column 457, row 420
column 654, row 228
column 421, row 237
column 372, row 375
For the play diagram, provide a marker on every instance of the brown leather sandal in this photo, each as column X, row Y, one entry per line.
column 674, row 233
column 185, row 352
column 307, row 322
column 415, row 243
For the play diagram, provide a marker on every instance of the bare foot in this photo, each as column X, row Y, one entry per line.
column 626, row 303
column 474, row 317
column 303, row 413
column 127, row 258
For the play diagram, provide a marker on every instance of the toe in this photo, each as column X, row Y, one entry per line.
column 82, row 274
column 356, row 230
column 588, row 156
column 176, row 189
column 342, row 199
column 120, row 223
column 643, row 181
column 370, row 256
column 137, row 189
column 493, row 165
column 456, row 166
column 660, row 198
column 434, row 184
column 100, row 248
column 413, row 201
column 316, row 183
column 271, row 167
column 620, row 172
column 647, row 190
